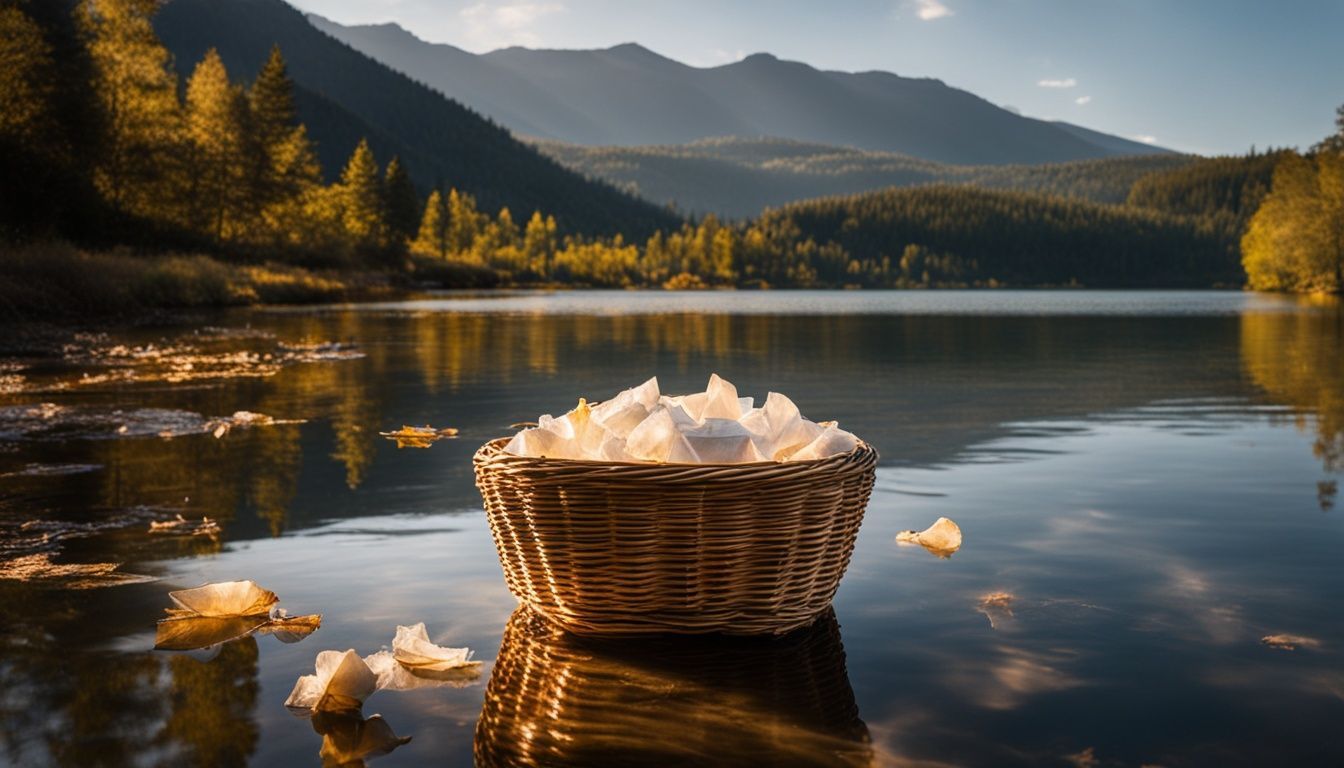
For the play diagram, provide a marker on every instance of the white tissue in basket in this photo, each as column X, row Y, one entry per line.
column 711, row 427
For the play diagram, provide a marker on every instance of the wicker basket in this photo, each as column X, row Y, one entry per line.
column 557, row 699
column 623, row 548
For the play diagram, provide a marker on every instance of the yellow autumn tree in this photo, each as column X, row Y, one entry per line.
column 216, row 132
column 138, row 169
column 362, row 200
column 431, row 239
column 1295, row 240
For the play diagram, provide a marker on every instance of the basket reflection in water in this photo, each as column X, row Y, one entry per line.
column 624, row 548
column 557, row 699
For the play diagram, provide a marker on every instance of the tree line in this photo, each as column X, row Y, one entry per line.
column 113, row 146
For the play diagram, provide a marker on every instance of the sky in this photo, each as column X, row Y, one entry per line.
column 1205, row 76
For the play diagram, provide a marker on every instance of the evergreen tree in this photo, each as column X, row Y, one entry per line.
column 431, row 240
column 133, row 80
column 1335, row 141
column 362, row 200
column 402, row 203
column 286, row 164
column 271, row 100
column 217, row 132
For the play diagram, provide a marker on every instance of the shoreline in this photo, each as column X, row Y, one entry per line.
column 60, row 284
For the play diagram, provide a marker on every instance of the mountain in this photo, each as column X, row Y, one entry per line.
column 1114, row 144
column 736, row 178
column 343, row 95
column 628, row 95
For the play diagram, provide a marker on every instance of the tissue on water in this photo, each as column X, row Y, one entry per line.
column 715, row 426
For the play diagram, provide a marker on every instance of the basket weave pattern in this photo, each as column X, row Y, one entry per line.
column 616, row 548
column 556, row 699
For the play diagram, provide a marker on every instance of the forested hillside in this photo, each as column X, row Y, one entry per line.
column 629, row 95
column 344, row 94
column 737, row 178
column 962, row 235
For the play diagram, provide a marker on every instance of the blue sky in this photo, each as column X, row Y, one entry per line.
column 1195, row 75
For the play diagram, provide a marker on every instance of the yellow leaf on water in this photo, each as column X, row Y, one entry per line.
column 419, row 437
column 228, row 598
column 1290, row 642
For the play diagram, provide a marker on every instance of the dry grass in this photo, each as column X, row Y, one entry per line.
column 56, row 280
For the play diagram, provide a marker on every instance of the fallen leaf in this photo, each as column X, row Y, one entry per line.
column 997, row 607
column 1290, row 642
column 191, row 633
column 419, row 437
column 291, row 629
column 223, row 599
column 183, row 527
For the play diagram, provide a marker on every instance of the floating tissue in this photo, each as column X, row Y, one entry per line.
column 342, row 681
column 412, row 647
column 942, row 538
column 715, row 426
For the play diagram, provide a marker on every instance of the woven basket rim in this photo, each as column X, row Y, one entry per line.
column 493, row 451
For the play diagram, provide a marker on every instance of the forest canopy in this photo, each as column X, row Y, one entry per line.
column 114, row 148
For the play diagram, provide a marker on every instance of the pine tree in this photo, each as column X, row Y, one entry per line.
column 402, row 203
column 431, row 240
column 216, row 130
column 1335, row 141
column 286, row 165
column 362, row 200
column 138, row 170
column 271, row 100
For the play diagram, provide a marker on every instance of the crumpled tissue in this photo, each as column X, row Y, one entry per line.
column 715, row 426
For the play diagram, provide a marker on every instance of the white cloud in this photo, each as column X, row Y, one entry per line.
column 928, row 10
column 1081, row 100
column 721, row 56
column 1067, row 82
column 1145, row 138
column 493, row 25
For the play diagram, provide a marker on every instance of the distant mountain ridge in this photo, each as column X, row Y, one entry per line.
column 627, row 95
column 343, row 95
column 736, row 177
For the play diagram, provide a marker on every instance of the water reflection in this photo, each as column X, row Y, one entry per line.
column 1138, row 493
column 349, row 739
column 555, row 700
column 210, row 720
column 1298, row 360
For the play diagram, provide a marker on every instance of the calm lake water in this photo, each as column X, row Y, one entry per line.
column 1147, row 483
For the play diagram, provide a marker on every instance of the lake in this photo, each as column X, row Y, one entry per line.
column 1147, row 483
